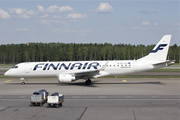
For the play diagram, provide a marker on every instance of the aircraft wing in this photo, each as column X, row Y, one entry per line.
column 87, row 72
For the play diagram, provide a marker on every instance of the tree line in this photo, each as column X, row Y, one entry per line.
column 33, row 52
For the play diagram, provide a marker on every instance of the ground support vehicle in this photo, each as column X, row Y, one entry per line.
column 55, row 99
column 45, row 94
column 39, row 97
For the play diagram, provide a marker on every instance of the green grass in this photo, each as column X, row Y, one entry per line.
column 7, row 64
column 3, row 69
column 165, row 70
column 142, row 76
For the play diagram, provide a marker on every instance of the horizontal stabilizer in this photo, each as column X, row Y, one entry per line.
column 169, row 62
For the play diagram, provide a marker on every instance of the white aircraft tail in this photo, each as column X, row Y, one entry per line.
column 159, row 52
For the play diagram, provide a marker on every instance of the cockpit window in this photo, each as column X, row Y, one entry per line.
column 15, row 67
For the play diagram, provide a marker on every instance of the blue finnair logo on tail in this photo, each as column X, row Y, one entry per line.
column 160, row 47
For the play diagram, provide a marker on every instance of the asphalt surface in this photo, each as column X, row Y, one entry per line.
column 104, row 99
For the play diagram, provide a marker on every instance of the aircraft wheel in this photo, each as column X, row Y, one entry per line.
column 88, row 82
column 23, row 83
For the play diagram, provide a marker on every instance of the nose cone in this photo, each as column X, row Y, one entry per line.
column 6, row 73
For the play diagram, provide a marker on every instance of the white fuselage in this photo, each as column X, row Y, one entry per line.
column 53, row 69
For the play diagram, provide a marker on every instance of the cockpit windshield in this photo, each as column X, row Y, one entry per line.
column 14, row 67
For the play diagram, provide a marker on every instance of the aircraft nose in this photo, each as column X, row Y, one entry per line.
column 6, row 73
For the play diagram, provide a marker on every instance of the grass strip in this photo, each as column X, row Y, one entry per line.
column 7, row 64
column 165, row 70
column 3, row 70
column 134, row 76
column 176, row 64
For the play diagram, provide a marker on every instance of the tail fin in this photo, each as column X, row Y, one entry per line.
column 160, row 51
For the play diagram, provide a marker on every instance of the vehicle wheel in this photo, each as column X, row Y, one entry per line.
column 31, row 104
column 48, row 105
column 60, row 104
column 57, row 105
column 23, row 83
column 41, row 104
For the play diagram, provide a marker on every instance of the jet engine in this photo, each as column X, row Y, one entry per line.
column 66, row 78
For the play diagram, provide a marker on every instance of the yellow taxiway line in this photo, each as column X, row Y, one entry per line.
column 8, row 81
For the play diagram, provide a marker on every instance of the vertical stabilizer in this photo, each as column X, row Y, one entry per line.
column 160, row 51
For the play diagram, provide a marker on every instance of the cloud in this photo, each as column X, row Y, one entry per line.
column 176, row 24
column 65, row 8
column 146, row 23
column 31, row 12
column 17, row 11
column 21, row 13
column 22, row 29
column 104, row 8
column 148, row 11
column 40, row 8
column 52, row 22
column 52, row 8
column 4, row 15
column 56, row 17
column 75, row 15
column 71, row 31
column 44, row 16
column 156, row 23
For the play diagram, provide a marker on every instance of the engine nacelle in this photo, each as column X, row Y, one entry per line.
column 66, row 78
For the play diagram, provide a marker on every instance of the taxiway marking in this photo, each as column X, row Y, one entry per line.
column 124, row 80
column 8, row 81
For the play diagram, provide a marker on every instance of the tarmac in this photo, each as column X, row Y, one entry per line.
column 104, row 99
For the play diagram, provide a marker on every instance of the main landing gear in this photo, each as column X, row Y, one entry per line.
column 88, row 82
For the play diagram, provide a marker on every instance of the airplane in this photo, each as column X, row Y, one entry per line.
column 70, row 71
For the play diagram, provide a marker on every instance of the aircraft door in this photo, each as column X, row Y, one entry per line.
column 27, row 67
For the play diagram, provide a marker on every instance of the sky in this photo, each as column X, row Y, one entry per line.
column 89, row 21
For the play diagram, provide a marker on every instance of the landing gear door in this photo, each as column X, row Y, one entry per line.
column 27, row 67
column 135, row 65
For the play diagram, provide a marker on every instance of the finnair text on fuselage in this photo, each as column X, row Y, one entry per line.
column 68, row 66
